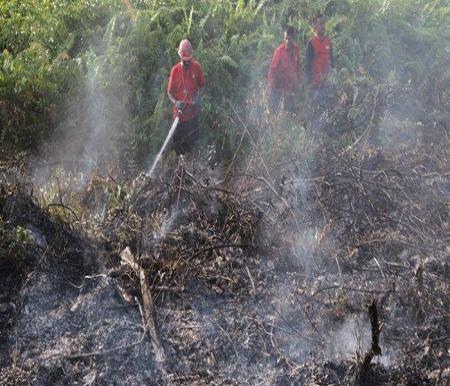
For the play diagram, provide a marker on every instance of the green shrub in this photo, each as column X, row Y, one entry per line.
column 49, row 46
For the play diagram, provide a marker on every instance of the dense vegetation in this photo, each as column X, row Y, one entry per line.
column 50, row 49
column 253, row 264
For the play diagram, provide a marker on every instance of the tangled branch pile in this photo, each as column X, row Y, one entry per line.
column 292, row 263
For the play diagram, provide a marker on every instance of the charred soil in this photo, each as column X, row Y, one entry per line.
column 336, row 272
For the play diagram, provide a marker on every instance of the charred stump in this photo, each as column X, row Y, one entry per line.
column 362, row 371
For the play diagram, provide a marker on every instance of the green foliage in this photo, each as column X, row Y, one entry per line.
column 39, row 44
column 50, row 48
column 15, row 244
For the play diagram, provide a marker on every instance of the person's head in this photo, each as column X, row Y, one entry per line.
column 289, row 34
column 185, row 51
column 319, row 24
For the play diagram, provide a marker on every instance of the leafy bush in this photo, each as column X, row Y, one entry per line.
column 51, row 49
column 39, row 43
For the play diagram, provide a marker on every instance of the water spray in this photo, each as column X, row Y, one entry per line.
column 158, row 157
column 169, row 136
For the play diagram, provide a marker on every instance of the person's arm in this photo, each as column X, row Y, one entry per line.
column 309, row 59
column 171, row 88
column 179, row 104
column 171, row 97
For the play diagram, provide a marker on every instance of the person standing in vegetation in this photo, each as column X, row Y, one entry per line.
column 284, row 72
column 319, row 56
column 185, row 87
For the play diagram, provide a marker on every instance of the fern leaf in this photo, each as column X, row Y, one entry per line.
column 228, row 61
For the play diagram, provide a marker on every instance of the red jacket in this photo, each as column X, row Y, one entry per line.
column 319, row 60
column 184, row 83
column 284, row 71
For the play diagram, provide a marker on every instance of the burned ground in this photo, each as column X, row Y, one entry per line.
column 240, row 280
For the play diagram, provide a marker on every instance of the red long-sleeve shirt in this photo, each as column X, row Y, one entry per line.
column 284, row 71
column 319, row 60
column 184, row 83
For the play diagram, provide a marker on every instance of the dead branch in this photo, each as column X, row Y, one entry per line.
column 150, row 326
column 361, row 377
column 147, row 303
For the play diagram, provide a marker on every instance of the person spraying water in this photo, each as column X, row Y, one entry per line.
column 185, row 88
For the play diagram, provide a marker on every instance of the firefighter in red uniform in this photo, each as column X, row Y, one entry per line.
column 185, row 87
column 284, row 72
column 319, row 56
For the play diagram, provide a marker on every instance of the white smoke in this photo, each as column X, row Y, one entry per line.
column 93, row 118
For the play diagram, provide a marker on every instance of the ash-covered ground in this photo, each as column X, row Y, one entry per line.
column 218, row 276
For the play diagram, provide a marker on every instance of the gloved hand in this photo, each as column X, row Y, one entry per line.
column 197, row 101
column 180, row 106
